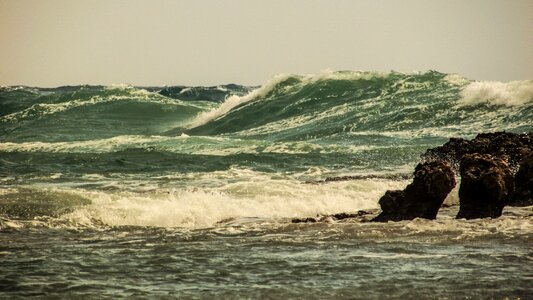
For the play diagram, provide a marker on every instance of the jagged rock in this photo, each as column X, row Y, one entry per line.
column 486, row 185
column 360, row 177
column 359, row 215
column 488, row 182
column 305, row 220
column 422, row 198
column 523, row 194
column 513, row 147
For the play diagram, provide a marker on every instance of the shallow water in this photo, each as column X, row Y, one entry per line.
column 256, row 258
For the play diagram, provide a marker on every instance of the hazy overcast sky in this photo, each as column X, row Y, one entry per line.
column 60, row 42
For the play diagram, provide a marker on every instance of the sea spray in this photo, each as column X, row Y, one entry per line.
column 514, row 93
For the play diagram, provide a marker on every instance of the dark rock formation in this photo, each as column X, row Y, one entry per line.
column 513, row 147
column 422, row 198
column 523, row 194
column 359, row 216
column 486, row 185
column 361, row 177
column 486, row 165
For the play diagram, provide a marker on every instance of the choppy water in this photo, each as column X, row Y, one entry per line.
column 189, row 191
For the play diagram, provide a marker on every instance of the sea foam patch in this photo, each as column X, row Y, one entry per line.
column 512, row 93
column 200, row 208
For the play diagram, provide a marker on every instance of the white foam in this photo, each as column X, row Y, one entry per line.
column 257, row 198
column 185, row 90
column 456, row 79
column 91, row 146
column 221, row 88
column 506, row 224
column 512, row 93
column 327, row 74
column 234, row 101
column 120, row 86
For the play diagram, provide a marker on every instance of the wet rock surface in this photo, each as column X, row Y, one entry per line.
column 510, row 146
column 432, row 182
column 361, row 215
column 361, row 177
column 486, row 165
column 523, row 193
column 486, row 185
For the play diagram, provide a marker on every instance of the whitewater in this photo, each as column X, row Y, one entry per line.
column 189, row 192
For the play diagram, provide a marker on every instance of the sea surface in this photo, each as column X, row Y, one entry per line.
column 189, row 192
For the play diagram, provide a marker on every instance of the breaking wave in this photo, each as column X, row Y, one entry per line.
column 340, row 104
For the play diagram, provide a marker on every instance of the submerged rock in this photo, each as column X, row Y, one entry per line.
column 361, row 177
column 514, row 147
column 422, row 198
column 359, row 216
column 486, row 185
column 523, row 194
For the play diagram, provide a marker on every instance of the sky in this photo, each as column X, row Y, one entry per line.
column 200, row 42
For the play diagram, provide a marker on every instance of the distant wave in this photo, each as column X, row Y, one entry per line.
column 125, row 93
column 86, row 113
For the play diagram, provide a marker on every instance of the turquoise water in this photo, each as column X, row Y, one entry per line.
column 189, row 191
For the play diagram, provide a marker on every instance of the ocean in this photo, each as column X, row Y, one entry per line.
column 189, row 192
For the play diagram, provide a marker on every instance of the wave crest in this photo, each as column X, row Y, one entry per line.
column 514, row 93
column 204, row 207
column 233, row 101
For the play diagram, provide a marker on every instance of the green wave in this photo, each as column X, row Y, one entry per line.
column 347, row 104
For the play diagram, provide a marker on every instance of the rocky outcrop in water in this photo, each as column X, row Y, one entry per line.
column 514, row 147
column 486, row 185
column 361, row 177
column 523, row 194
column 422, row 198
column 485, row 164
column 361, row 216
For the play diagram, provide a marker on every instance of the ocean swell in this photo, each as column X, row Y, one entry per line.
column 292, row 107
